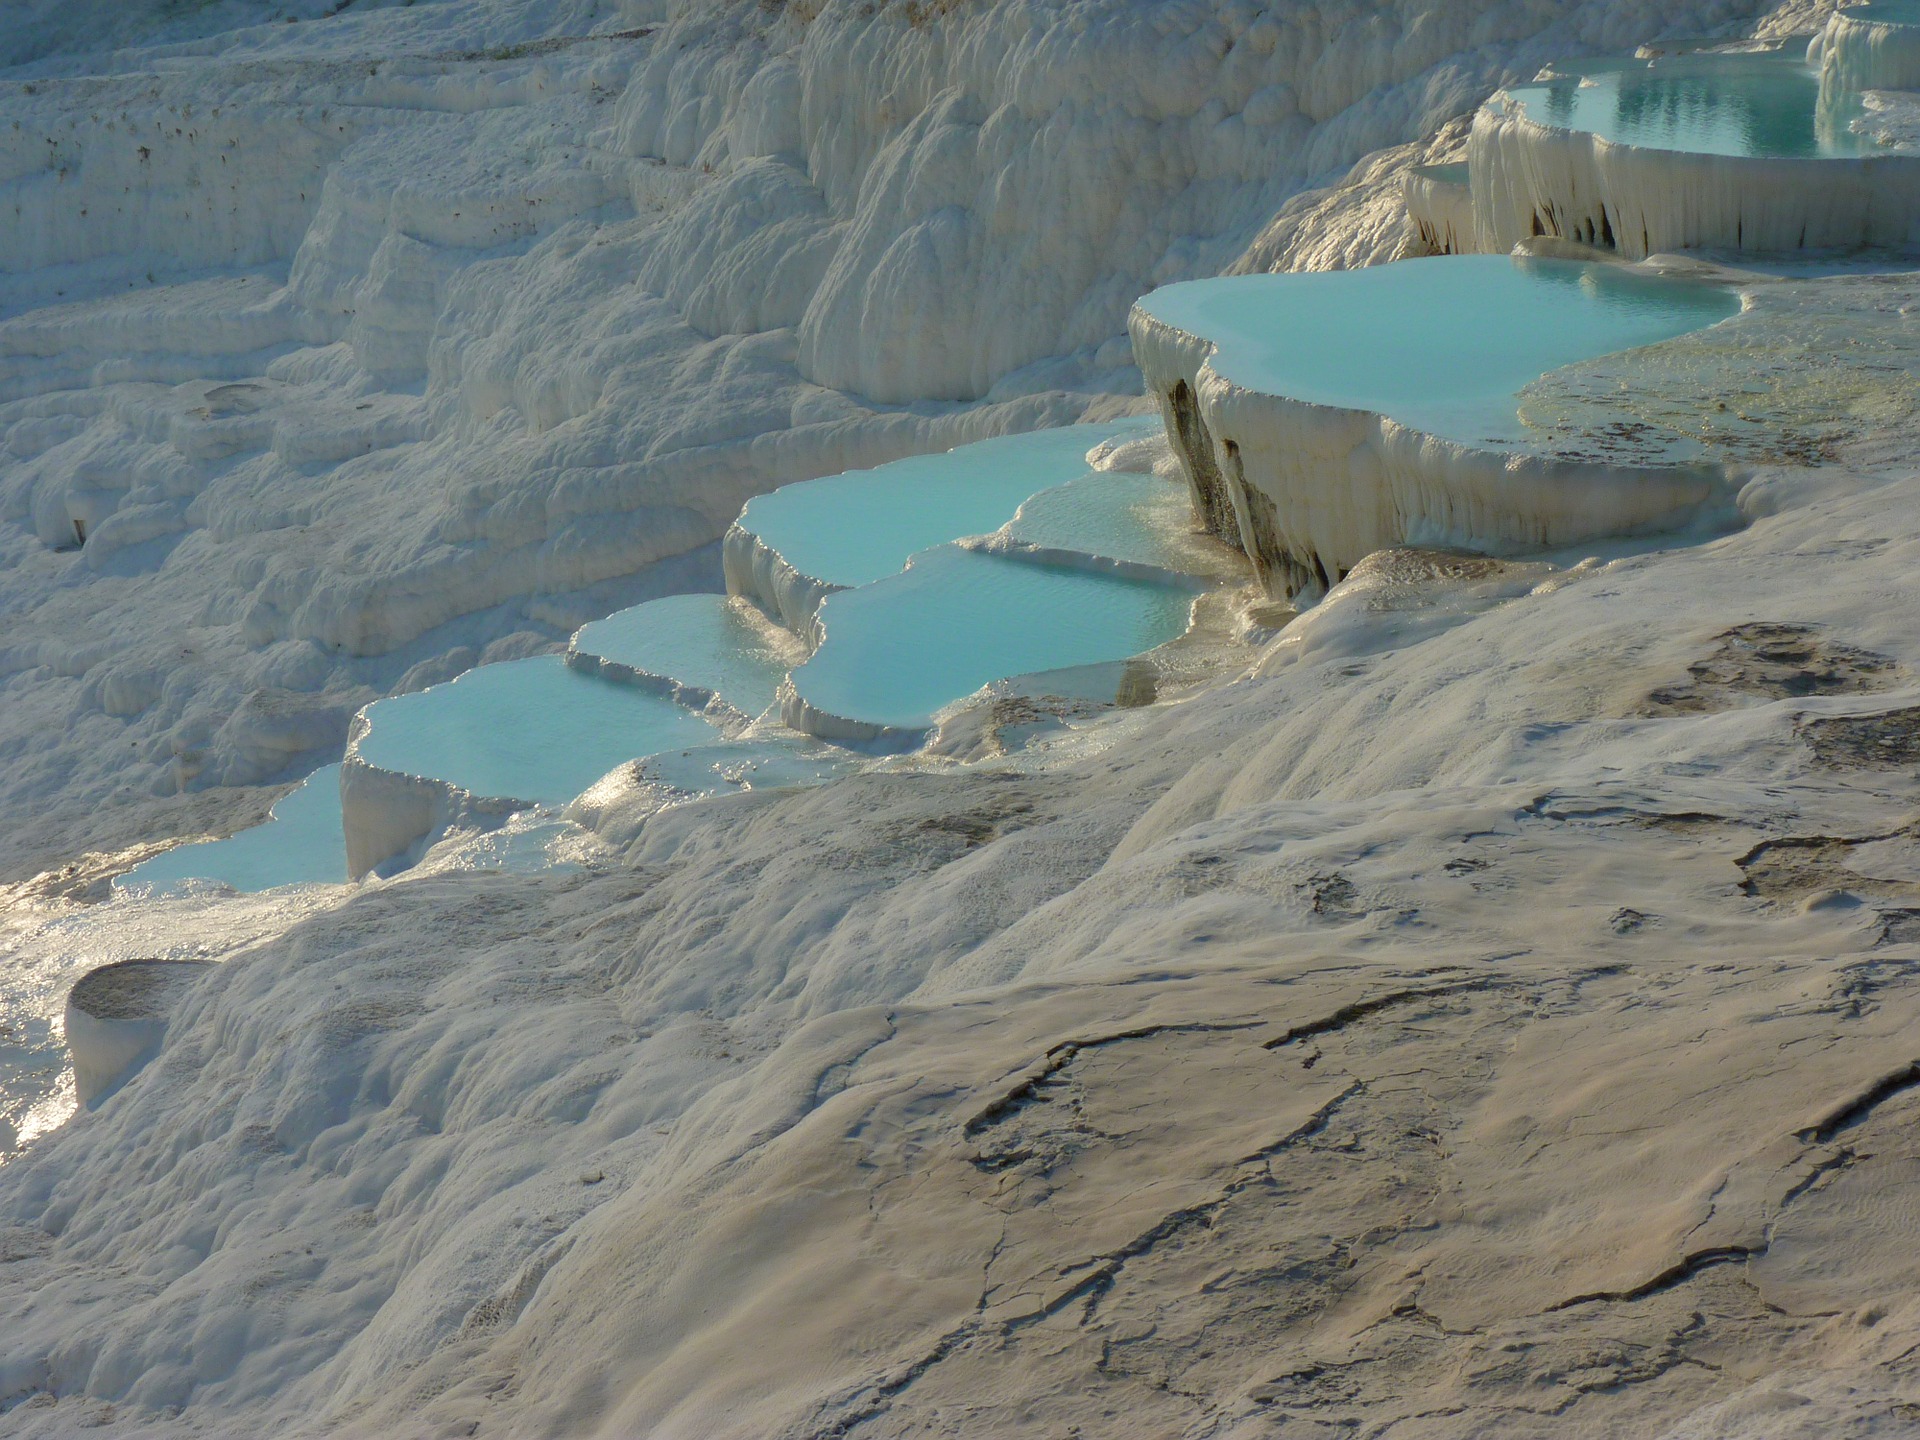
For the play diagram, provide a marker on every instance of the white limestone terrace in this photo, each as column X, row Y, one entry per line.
column 499, row 739
column 520, row 303
column 791, row 549
column 1238, row 1028
column 1334, row 415
column 894, row 654
column 1130, row 523
column 1439, row 201
column 1748, row 151
column 658, row 684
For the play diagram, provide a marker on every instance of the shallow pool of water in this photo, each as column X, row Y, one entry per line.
column 855, row 528
column 1752, row 105
column 525, row 730
column 706, row 641
column 1442, row 344
column 901, row 649
column 302, row 843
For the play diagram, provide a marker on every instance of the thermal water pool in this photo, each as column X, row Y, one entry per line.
column 903, row 648
column 533, row 730
column 544, row 730
column 1138, row 520
column 302, row 843
column 1443, row 344
column 1753, row 105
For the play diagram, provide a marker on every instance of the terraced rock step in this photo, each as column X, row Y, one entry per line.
column 498, row 739
column 1753, row 152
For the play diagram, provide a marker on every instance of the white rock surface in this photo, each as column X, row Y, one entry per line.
column 1496, row 1018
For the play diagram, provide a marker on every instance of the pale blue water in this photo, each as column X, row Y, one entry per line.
column 525, row 730
column 1442, row 344
column 1757, row 105
column 1887, row 12
column 854, row 528
column 301, row 844
column 1118, row 515
column 706, row 641
column 902, row 648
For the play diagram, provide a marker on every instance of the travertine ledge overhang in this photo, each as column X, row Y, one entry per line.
column 1404, row 423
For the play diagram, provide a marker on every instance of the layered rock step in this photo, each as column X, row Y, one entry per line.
column 1875, row 46
column 499, row 739
column 713, row 653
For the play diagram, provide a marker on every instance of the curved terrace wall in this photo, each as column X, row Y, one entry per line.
column 1530, row 179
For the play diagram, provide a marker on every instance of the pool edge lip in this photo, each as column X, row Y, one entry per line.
column 387, row 814
column 110, row 1036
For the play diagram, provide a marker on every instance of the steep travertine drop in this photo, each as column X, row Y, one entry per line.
column 1731, row 151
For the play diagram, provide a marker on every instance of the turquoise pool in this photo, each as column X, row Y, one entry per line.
column 1442, row 344
column 901, row 649
column 855, row 528
column 301, row 844
column 706, row 641
column 525, row 730
column 1751, row 105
